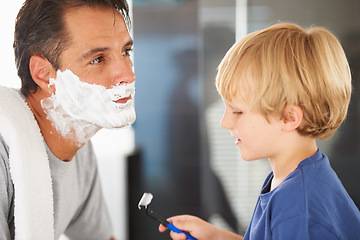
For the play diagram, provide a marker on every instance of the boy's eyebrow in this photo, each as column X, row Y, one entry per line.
column 94, row 51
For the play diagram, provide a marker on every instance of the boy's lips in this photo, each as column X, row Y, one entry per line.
column 237, row 140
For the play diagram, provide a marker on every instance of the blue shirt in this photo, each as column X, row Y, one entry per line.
column 311, row 203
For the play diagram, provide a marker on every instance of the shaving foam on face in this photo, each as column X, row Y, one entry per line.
column 79, row 109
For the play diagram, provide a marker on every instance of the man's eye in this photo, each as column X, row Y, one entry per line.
column 97, row 60
column 127, row 52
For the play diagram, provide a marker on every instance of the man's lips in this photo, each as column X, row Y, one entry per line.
column 123, row 100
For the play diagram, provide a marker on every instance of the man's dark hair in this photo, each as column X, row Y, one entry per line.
column 40, row 30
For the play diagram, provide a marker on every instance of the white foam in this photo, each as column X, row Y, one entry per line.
column 79, row 109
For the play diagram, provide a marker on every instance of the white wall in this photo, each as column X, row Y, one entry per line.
column 111, row 148
column 7, row 60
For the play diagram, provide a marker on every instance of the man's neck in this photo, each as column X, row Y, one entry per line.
column 62, row 147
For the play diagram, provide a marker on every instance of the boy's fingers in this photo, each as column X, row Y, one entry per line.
column 162, row 228
column 185, row 222
column 177, row 236
column 173, row 235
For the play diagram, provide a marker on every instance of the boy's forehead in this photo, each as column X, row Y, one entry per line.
column 239, row 85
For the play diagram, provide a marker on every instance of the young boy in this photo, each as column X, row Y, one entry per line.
column 283, row 88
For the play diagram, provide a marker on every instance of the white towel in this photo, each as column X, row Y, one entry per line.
column 29, row 168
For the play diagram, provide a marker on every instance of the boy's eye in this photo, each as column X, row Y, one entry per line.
column 97, row 60
column 237, row 112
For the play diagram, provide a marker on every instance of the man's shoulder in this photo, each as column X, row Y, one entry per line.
column 5, row 177
column 4, row 152
column 6, row 194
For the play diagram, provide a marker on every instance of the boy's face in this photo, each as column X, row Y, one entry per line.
column 256, row 137
column 99, row 49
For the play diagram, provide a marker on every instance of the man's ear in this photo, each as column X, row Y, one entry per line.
column 41, row 71
column 292, row 117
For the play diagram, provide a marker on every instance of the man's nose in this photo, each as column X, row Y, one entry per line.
column 124, row 73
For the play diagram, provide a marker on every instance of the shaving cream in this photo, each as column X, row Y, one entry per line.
column 79, row 109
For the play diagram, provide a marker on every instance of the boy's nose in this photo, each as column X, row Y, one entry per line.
column 224, row 122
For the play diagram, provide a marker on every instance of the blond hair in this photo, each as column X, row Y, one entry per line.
column 286, row 64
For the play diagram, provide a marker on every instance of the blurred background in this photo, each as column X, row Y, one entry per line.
column 176, row 149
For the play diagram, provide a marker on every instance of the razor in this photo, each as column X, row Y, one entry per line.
column 143, row 204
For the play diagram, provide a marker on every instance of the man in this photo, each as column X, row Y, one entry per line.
column 73, row 58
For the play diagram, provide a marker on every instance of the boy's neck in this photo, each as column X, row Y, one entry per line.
column 286, row 162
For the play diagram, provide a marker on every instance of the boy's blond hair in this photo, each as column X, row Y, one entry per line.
column 285, row 64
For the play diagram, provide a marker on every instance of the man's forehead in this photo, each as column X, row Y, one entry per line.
column 94, row 30
column 83, row 21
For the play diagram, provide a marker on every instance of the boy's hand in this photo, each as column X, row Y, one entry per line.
column 197, row 228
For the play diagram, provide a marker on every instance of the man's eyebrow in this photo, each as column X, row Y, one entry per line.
column 94, row 51
column 129, row 43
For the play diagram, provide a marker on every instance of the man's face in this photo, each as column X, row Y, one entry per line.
column 94, row 86
column 99, row 49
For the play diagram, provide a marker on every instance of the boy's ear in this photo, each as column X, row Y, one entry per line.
column 41, row 71
column 292, row 117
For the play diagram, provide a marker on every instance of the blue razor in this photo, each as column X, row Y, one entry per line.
column 143, row 204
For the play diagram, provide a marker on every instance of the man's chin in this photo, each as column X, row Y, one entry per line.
column 122, row 125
